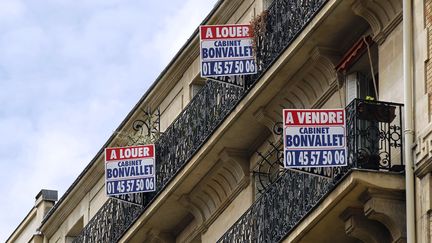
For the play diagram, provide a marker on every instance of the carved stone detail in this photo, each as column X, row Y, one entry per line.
column 423, row 152
column 312, row 82
column 262, row 117
column 387, row 208
column 156, row 236
column 382, row 15
column 382, row 218
column 360, row 227
column 219, row 187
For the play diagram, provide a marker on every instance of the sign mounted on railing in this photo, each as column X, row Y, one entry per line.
column 314, row 138
column 326, row 172
column 238, row 80
column 130, row 170
column 132, row 198
column 226, row 50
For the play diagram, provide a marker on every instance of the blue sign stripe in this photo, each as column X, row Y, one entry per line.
column 130, row 186
column 224, row 68
column 314, row 158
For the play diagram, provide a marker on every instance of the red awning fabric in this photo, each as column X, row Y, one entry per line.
column 354, row 53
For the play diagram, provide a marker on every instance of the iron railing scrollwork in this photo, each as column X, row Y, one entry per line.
column 375, row 134
column 144, row 130
column 186, row 135
column 270, row 165
column 197, row 122
column 284, row 21
column 374, row 142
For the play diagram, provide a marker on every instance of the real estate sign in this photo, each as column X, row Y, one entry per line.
column 226, row 50
column 130, row 170
column 314, row 138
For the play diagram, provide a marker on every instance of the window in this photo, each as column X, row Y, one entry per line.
column 196, row 86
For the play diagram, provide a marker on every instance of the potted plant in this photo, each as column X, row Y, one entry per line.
column 370, row 110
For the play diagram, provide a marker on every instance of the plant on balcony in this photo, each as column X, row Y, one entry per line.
column 372, row 111
column 258, row 29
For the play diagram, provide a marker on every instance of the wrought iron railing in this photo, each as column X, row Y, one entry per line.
column 374, row 141
column 198, row 121
column 374, row 132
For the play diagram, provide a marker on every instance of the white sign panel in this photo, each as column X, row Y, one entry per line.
column 226, row 50
column 130, row 170
column 314, row 138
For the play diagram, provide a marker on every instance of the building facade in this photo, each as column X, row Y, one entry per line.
column 219, row 148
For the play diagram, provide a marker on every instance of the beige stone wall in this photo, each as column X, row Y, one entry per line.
column 84, row 211
column 97, row 197
column 390, row 67
column 423, row 104
column 190, row 76
column 81, row 211
column 423, row 202
column 25, row 234
column 335, row 101
column 229, row 216
column 28, row 229
column 422, row 66
column 247, row 10
column 428, row 63
column 179, row 96
column 171, row 106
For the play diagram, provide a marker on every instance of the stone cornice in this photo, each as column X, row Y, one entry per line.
column 22, row 226
column 382, row 15
column 314, row 83
column 218, row 189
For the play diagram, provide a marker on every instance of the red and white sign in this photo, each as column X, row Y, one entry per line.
column 314, row 138
column 132, row 152
column 226, row 50
column 297, row 117
column 130, row 169
column 215, row 32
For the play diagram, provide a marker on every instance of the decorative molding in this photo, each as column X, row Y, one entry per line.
column 156, row 236
column 194, row 209
column 333, row 88
column 387, row 208
column 83, row 186
column 382, row 15
column 423, row 152
column 360, row 227
column 218, row 189
column 382, row 219
column 263, row 118
column 314, row 83
column 329, row 54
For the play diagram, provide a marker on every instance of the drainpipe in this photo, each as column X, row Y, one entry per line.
column 408, row 122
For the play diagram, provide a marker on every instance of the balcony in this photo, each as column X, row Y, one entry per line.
column 374, row 140
column 202, row 116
